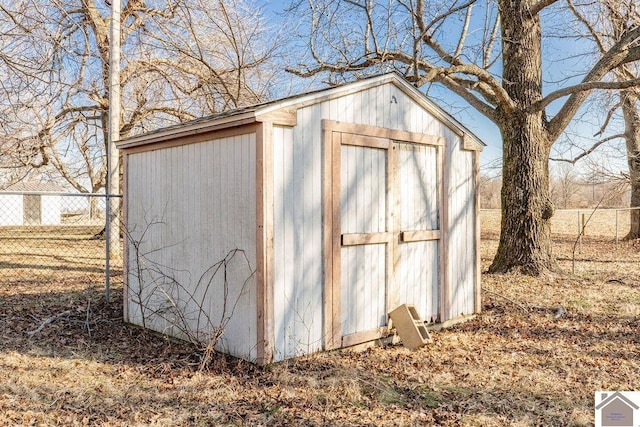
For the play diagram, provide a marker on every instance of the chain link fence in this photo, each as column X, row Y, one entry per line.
column 47, row 236
column 606, row 224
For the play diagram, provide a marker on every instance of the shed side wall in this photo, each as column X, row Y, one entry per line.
column 189, row 207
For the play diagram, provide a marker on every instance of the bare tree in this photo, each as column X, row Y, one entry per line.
column 563, row 186
column 489, row 191
column 490, row 54
column 607, row 25
column 630, row 104
column 181, row 59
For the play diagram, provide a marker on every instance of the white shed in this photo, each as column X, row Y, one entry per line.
column 30, row 203
column 344, row 203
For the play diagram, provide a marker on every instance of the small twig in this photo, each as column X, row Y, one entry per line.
column 48, row 320
column 87, row 324
column 584, row 226
column 522, row 307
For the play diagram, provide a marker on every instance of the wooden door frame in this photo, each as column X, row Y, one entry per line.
column 374, row 137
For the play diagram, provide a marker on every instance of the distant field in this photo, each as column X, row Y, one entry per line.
column 565, row 223
column 590, row 256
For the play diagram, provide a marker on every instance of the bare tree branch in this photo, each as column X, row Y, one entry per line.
column 620, row 53
column 595, row 34
column 541, row 4
column 463, row 34
column 583, row 87
column 488, row 49
column 181, row 59
column 607, row 119
column 588, row 151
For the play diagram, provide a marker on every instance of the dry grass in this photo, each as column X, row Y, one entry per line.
column 51, row 253
column 600, row 223
column 515, row 364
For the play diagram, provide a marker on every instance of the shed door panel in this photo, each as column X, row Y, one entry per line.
column 417, row 251
column 382, row 230
column 363, row 219
column 418, row 192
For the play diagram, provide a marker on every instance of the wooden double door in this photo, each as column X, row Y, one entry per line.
column 383, row 210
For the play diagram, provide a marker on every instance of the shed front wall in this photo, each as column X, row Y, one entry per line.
column 191, row 218
column 298, row 206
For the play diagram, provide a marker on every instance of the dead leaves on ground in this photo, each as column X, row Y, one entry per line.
column 515, row 364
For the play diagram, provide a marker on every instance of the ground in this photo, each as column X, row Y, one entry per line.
column 523, row 361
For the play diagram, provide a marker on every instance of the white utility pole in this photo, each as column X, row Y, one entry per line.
column 112, row 226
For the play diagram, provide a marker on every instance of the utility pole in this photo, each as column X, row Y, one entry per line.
column 112, row 226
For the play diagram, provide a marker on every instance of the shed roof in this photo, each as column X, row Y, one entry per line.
column 256, row 113
column 34, row 187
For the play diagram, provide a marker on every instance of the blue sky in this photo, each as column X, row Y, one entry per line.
column 563, row 64
column 476, row 122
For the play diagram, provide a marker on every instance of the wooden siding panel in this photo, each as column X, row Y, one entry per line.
column 397, row 109
column 418, row 277
column 313, row 271
column 419, row 190
column 363, row 288
column 462, row 241
column 189, row 206
column 376, row 105
column 264, row 242
column 368, row 114
column 418, row 266
column 279, row 302
column 382, row 106
column 363, row 210
column 298, row 321
column 363, row 193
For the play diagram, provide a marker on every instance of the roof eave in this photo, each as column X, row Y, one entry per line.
column 187, row 130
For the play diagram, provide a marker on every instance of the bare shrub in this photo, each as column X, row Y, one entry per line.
column 168, row 302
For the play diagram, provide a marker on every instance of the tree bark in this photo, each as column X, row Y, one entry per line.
column 525, row 236
column 629, row 102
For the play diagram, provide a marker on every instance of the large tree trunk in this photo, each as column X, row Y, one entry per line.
column 525, row 237
column 632, row 139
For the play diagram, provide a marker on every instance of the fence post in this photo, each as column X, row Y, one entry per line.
column 113, row 160
column 107, row 235
column 580, row 230
column 616, row 228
